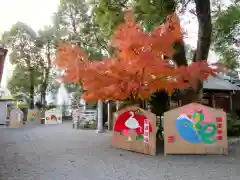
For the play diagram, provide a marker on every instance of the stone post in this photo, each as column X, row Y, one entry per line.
column 110, row 119
column 100, row 117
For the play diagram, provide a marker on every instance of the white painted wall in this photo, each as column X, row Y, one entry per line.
column 3, row 112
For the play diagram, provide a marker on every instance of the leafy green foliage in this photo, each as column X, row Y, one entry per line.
column 227, row 36
column 75, row 26
column 19, row 82
column 47, row 41
column 153, row 12
column 21, row 39
column 69, row 18
column 32, row 55
column 233, row 126
column 110, row 13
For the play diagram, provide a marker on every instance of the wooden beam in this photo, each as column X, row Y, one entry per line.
column 213, row 101
column 231, row 103
column 110, row 119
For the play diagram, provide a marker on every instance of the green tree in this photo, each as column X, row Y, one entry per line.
column 21, row 40
column 19, row 82
column 70, row 17
column 74, row 24
column 47, row 41
column 227, row 35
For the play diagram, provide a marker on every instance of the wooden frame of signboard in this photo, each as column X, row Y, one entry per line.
column 195, row 129
column 135, row 130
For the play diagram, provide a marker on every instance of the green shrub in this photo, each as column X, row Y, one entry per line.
column 22, row 106
column 51, row 106
column 125, row 104
column 233, row 125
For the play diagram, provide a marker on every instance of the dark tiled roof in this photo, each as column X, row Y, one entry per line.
column 217, row 83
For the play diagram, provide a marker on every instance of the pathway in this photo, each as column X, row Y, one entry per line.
column 58, row 152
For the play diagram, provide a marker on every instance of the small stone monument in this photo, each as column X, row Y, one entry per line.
column 16, row 119
column 76, row 118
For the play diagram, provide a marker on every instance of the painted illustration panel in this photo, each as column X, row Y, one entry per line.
column 195, row 129
column 16, row 118
column 135, row 130
column 53, row 116
column 34, row 117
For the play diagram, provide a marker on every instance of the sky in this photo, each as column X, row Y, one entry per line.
column 38, row 13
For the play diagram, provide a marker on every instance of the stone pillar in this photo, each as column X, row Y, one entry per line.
column 117, row 105
column 100, row 117
column 110, row 119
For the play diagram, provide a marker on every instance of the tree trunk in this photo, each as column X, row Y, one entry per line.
column 31, row 104
column 44, row 87
column 46, row 76
column 43, row 95
column 179, row 56
column 203, row 11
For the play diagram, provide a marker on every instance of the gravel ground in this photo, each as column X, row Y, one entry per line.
column 58, row 152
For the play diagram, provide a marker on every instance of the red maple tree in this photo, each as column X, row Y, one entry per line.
column 138, row 68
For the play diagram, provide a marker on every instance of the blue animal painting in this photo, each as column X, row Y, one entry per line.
column 185, row 128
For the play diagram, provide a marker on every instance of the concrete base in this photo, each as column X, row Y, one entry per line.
column 100, row 131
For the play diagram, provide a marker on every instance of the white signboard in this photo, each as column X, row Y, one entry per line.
column 88, row 115
column 84, row 116
column 53, row 116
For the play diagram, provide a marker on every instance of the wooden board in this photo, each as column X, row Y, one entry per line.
column 135, row 130
column 53, row 116
column 186, row 132
column 33, row 117
column 16, row 119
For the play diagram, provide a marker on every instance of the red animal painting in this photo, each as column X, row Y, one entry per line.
column 132, row 124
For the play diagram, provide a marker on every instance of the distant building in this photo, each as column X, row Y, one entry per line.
column 6, row 101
